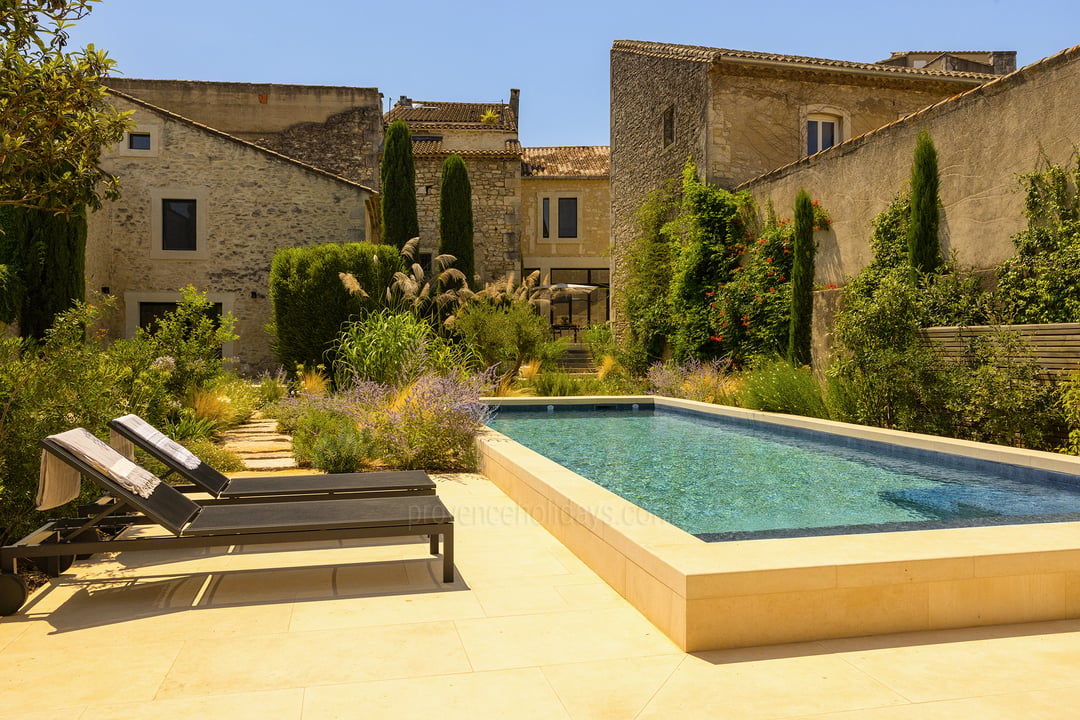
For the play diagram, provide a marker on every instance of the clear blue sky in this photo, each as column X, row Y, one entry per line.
column 556, row 51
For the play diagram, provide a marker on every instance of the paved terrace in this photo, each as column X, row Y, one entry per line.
column 365, row 630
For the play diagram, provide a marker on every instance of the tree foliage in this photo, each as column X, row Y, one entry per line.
column 54, row 111
column 399, row 219
column 456, row 216
column 46, row 254
column 802, row 282
column 922, row 234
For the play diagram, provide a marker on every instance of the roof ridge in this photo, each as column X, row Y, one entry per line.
column 699, row 53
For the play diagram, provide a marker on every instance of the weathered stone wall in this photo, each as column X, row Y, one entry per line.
column 249, row 110
column 252, row 202
column 347, row 144
column 642, row 88
column 984, row 138
column 591, row 247
column 496, row 190
column 757, row 115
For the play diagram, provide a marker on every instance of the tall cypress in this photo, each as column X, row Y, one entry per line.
column 46, row 254
column 455, row 215
column 399, row 219
column 924, row 251
column 802, row 282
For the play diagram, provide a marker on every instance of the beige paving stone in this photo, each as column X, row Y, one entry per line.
column 301, row 659
column 279, row 705
column 610, row 689
column 504, row 694
column 590, row 595
column 389, row 609
column 725, row 684
column 45, row 676
column 1059, row 704
column 520, row 600
column 553, row 638
column 974, row 667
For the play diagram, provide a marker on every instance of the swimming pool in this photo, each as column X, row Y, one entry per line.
column 724, row 478
column 754, row 590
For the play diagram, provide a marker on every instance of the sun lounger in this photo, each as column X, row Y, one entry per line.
column 151, row 501
column 179, row 460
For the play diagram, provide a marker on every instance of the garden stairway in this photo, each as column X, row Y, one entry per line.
column 260, row 445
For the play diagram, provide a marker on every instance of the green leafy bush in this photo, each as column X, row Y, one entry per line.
column 776, row 386
column 504, row 335
column 310, row 304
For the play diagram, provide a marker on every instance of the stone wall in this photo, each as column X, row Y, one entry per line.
column 591, row 248
column 985, row 138
column 496, row 191
column 642, row 88
column 757, row 115
column 249, row 110
column 251, row 203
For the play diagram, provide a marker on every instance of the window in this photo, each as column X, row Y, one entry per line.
column 574, row 309
column 669, row 126
column 179, row 229
column 178, row 222
column 568, row 217
column 822, row 131
column 142, row 310
column 138, row 141
column 559, row 217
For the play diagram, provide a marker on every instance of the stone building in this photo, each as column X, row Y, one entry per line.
column 740, row 114
column 205, row 208
column 337, row 129
column 566, row 231
column 485, row 135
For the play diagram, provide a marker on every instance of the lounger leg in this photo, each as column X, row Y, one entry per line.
column 448, row 555
column 434, row 539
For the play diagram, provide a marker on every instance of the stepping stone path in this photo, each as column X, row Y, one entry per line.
column 260, row 445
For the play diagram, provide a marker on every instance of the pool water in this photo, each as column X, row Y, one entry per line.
column 725, row 479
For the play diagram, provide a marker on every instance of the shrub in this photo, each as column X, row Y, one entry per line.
column 272, row 387
column 924, row 250
column 555, row 384
column 394, row 348
column 503, row 335
column 776, row 386
column 707, row 381
column 455, row 216
column 802, row 282
column 601, row 342
column 399, row 219
column 309, row 302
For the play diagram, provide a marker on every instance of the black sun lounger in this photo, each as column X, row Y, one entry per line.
column 263, row 488
column 194, row 525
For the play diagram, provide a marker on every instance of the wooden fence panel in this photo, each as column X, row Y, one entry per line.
column 1056, row 348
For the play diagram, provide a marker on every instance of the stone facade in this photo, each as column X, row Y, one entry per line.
column 984, row 138
column 249, row 202
column 485, row 136
column 740, row 114
column 337, row 129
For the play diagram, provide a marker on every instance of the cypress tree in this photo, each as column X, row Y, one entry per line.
column 399, row 220
column 924, row 251
column 45, row 254
column 455, row 215
column 802, row 282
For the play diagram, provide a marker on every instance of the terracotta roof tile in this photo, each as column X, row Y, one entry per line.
column 577, row 161
column 431, row 114
column 435, row 148
column 705, row 54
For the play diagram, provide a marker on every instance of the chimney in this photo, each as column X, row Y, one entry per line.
column 404, row 101
column 515, row 100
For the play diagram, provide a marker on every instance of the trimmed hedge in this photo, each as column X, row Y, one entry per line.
column 310, row 303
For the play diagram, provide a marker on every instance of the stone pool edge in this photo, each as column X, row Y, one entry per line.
column 758, row 592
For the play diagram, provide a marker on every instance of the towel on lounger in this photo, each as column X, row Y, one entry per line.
column 153, row 436
column 88, row 448
column 58, row 482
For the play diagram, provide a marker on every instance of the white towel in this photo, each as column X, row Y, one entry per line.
column 92, row 451
column 121, row 444
column 58, row 482
column 153, row 436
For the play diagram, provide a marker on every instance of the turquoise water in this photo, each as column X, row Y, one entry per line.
column 713, row 477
